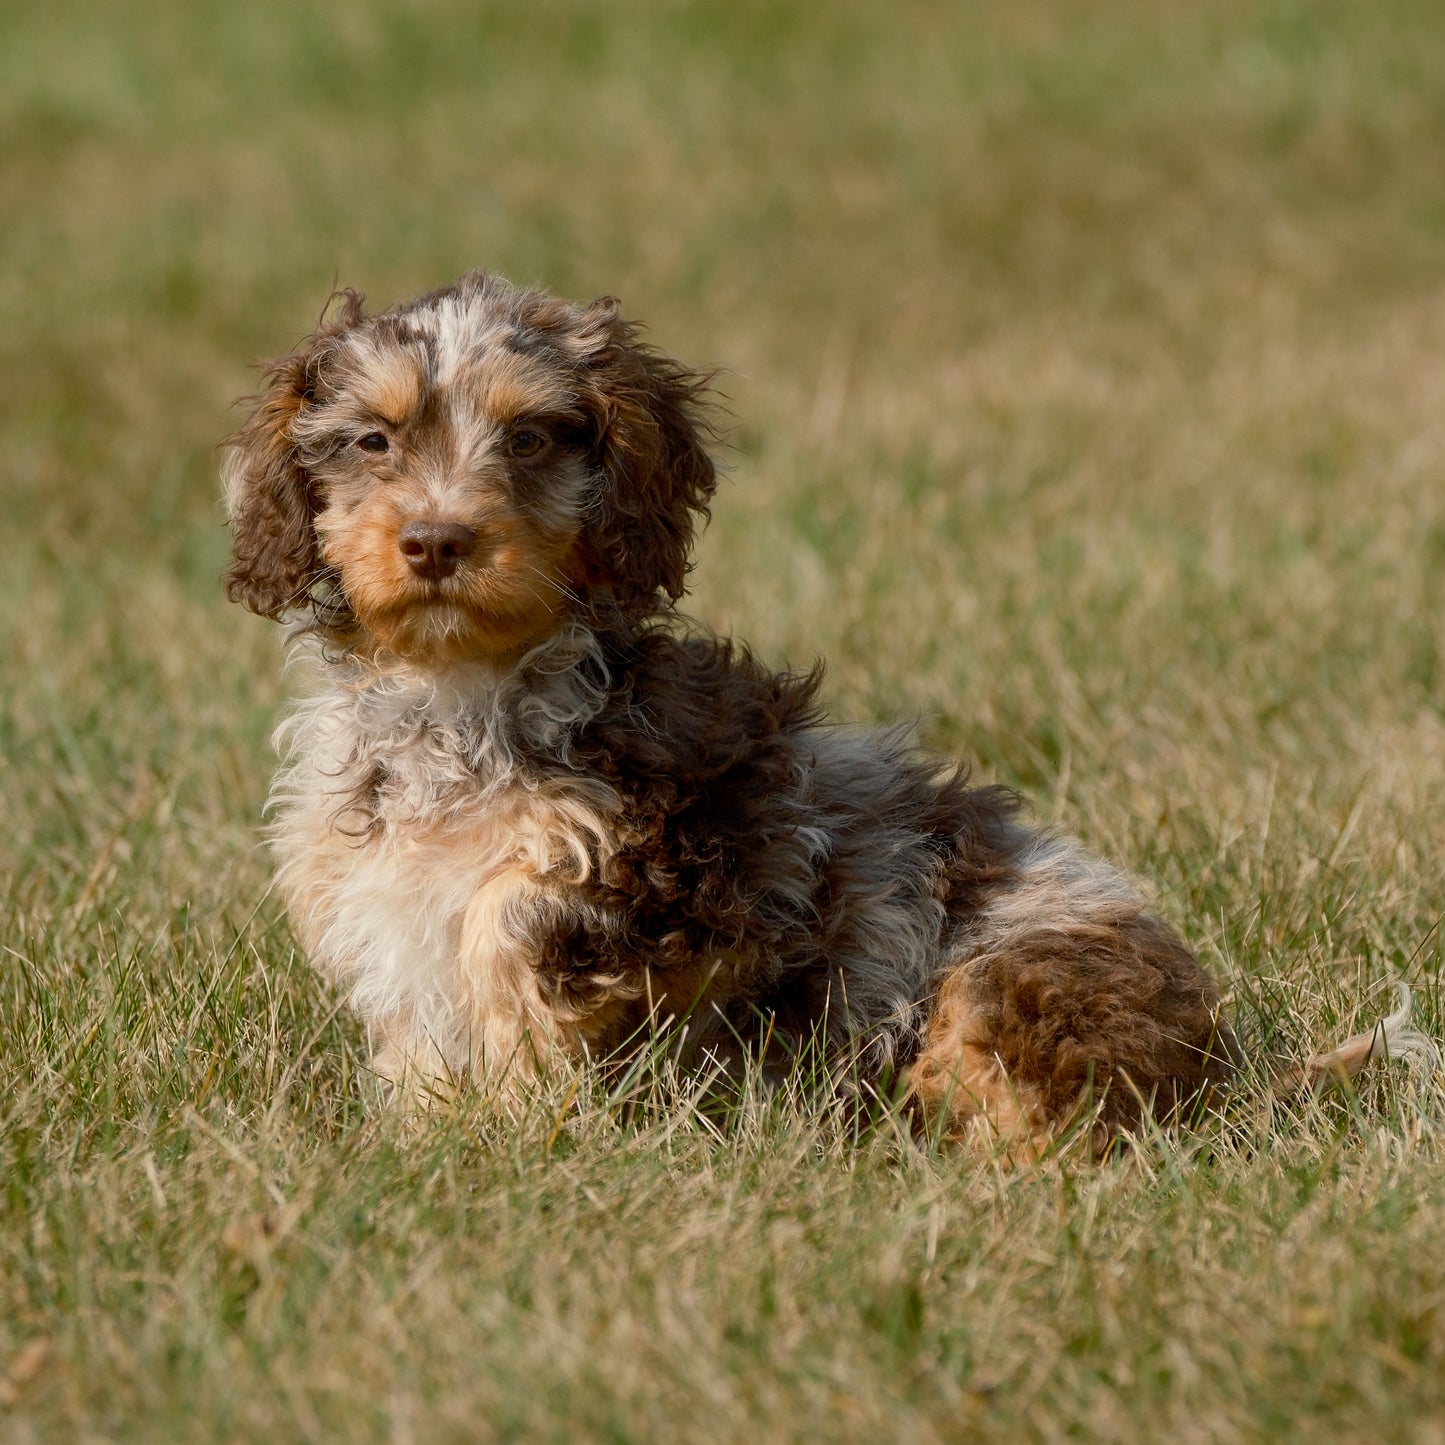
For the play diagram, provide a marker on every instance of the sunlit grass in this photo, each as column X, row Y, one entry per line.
column 1085, row 362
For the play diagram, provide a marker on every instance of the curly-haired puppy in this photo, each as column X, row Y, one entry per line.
column 530, row 816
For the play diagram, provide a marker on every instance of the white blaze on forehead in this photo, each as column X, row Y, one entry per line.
column 463, row 330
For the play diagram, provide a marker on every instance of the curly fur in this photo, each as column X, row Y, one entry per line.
column 528, row 814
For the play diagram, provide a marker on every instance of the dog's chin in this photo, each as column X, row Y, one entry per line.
column 438, row 631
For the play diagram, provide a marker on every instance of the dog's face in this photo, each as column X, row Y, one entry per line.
column 449, row 479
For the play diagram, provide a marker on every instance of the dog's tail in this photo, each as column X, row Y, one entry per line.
column 1391, row 1038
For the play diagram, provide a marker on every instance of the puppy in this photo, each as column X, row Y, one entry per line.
column 529, row 815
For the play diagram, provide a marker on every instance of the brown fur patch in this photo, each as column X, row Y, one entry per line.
column 270, row 493
column 1111, row 1013
column 653, row 449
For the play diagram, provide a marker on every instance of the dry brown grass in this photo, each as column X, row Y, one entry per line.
column 1086, row 361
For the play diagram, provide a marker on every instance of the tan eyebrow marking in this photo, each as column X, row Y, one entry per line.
column 391, row 384
column 512, row 386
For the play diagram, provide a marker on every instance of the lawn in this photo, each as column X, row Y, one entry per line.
column 1086, row 367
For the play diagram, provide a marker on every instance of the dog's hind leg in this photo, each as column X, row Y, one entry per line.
column 1065, row 1004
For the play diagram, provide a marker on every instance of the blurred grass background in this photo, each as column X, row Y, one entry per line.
column 1086, row 360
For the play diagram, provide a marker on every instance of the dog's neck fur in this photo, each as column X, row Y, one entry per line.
column 431, row 741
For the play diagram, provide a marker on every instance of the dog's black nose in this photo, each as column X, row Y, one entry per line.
column 436, row 549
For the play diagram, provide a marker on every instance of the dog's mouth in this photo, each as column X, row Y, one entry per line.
column 436, row 599
column 445, row 620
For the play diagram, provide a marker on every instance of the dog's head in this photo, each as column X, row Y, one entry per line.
column 451, row 478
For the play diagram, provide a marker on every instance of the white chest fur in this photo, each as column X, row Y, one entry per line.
column 391, row 818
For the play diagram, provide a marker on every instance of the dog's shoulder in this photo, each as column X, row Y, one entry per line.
column 693, row 711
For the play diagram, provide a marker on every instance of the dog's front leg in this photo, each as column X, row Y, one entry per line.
column 512, row 1033
column 537, row 981
column 537, row 992
column 498, row 1029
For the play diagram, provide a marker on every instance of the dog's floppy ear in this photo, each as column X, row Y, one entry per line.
column 650, row 448
column 269, row 493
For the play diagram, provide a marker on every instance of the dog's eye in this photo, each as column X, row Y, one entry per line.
column 373, row 441
column 526, row 443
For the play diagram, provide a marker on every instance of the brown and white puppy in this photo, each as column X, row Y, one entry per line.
column 531, row 816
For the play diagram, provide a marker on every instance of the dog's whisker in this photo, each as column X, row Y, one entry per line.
column 556, row 584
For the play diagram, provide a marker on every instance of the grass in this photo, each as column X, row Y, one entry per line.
column 1086, row 361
